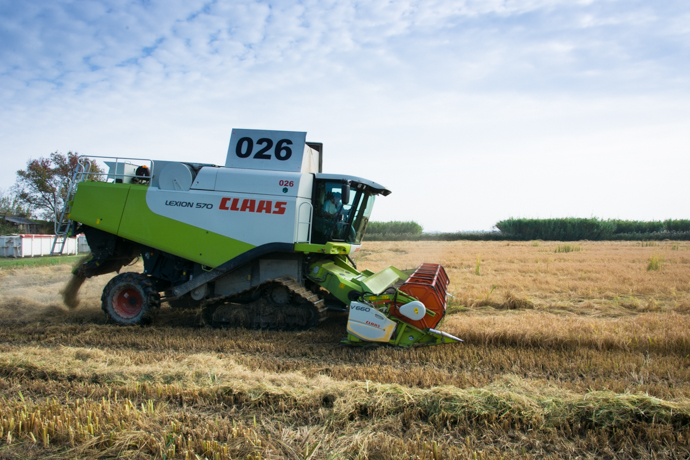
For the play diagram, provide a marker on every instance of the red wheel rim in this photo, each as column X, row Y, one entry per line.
column 128, row 303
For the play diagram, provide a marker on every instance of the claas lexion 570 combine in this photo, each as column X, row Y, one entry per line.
column 263, row 242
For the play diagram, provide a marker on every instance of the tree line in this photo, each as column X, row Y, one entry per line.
column 394, row 228
column 564, row 229
column 574, row 229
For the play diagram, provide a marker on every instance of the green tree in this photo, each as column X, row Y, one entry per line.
column 42, row 187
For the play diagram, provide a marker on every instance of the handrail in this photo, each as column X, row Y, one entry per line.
column 300, row 222
column 118, row 161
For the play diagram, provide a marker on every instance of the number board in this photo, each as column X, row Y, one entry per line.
column 261, row 149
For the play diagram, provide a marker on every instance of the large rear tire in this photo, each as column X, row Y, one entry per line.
column 130, row 298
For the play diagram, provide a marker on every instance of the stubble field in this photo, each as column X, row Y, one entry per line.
column 581, row 354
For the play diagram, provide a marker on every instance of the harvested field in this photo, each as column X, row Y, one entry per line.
column 581, row 353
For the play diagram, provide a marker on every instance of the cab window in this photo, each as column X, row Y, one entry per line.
column 336, row 220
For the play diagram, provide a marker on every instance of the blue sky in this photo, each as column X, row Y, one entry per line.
column 469, row 111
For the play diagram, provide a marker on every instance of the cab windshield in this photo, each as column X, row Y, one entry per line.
column 336, row 220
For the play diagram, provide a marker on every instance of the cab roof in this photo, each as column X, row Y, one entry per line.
column 378, row 188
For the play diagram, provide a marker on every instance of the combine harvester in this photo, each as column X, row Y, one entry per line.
column 263, row 242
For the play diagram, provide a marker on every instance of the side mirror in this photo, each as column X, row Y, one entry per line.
column 346, row 194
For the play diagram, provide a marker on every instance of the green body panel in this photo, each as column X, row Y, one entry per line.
column 99, row 205
column 336, row 276
column 339, row 278
column 328, row 248
column 379, row 282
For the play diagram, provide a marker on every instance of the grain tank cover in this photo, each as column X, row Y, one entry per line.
column 272, row 150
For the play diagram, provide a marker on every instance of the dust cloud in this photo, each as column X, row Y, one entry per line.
column 70, row 292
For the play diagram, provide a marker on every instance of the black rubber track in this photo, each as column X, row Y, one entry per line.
column 303, row 310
